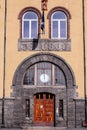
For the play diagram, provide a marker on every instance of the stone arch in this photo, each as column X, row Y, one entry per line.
column 40, row 57
column 21, row 93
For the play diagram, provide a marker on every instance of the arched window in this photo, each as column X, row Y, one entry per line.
column 29, row 76
column 59, row 25
column 44, row 73
column 29, row 25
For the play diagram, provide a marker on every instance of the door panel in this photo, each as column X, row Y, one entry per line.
column 44, row 109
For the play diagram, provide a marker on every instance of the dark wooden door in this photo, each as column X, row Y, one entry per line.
column 44, row 109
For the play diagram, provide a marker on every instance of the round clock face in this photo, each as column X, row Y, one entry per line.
column 44, row 78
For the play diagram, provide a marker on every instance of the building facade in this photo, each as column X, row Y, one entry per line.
column 42, row 63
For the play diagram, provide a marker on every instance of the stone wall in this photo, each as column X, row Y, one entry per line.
column 44, row 45
column 8, row 112
column 10, row 121
column 79, row 112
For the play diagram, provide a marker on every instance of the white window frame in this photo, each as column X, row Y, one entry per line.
column 30, row 22
column 59, row 29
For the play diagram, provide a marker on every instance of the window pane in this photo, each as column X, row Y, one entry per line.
column 34, row 29
column 59, row 15
column 29, row 76
column 26, row 29
column 27, row 112
column 44, row 73
column 63, row 30
column 61, row 108
column 59, row 77
column 55, row 29
column 30, row 15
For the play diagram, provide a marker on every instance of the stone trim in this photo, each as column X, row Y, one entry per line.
column 44, row 45
column 21, row 93
column 48, row 57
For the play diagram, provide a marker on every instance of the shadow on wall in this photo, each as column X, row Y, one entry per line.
column 35, row 44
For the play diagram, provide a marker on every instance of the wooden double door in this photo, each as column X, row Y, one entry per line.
column 44, row 109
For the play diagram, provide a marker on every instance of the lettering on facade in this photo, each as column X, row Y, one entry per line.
column 45, row 46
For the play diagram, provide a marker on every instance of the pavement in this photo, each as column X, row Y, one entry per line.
column 44, row 128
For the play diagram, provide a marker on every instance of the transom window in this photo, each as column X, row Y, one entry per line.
column 29, row 25
column 44, row 73
column 59, row 25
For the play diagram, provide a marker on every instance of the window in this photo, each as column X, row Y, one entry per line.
column 27, row 107
column 59, row 77
column 29, row 76
column 29, row 25
column 60, row 108
column 44, row 74
column 59, row 25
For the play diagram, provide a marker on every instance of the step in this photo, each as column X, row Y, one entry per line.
column 44, row 128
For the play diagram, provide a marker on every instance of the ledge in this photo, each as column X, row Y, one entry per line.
column 44, row 45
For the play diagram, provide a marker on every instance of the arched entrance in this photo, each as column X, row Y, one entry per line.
column 37, row 83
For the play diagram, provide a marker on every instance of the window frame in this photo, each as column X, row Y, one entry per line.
column 59, row 26
column 22, row 12
column 52, row 75
column 61, row 108
column 68, row 15
column 30, row 25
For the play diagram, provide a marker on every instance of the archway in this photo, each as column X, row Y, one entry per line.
column 47, row 57
column 64, row 94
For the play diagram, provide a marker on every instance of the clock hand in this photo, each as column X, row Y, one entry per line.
column 44, row 76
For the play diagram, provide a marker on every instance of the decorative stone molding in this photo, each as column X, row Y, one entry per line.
column 44, row 45
column 48, row 57
column 21, row 93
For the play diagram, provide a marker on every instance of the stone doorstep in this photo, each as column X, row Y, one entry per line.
column 44, row 128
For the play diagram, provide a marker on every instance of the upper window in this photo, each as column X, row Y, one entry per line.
column 58, row 25
column 29, row 25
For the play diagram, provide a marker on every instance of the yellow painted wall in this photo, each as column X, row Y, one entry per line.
column 13, row 58
column 1, row 44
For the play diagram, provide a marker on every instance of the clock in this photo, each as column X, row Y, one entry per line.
column 44, row 78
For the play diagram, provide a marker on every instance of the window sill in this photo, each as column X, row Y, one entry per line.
column 45, row 86
column 44, row 45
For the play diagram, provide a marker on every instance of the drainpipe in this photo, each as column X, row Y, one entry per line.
column 84, row 56
column 4, row 65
